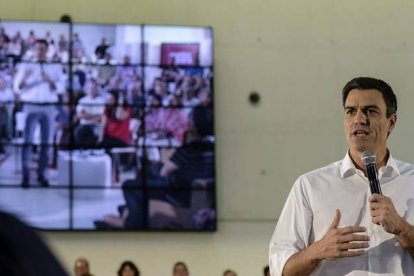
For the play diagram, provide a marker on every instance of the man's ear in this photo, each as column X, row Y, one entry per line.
column 392, row 120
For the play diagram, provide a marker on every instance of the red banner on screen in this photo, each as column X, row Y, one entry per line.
column 180, row 54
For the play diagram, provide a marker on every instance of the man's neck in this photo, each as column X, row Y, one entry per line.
column 381, row 159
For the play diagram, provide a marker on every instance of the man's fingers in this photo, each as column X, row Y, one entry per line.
column 353, row 245
column 351, row 253
column 336, row 220
column 353, row 237
column 351, row 229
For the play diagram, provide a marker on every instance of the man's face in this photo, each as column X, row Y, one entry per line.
column 41, row 50
column 365, row 122
column 91, row 88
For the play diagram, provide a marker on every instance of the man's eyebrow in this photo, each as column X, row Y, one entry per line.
column 364, row 107
column 371, row 106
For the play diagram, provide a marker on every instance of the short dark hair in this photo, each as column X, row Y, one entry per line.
column 131, row 266
column 229, row 271
column 365, row 83
column 180, row 263
column 266, row 270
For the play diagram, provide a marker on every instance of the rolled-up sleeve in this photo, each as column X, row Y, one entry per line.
column 293, row 229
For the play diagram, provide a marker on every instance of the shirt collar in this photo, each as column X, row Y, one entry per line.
column 389, row 170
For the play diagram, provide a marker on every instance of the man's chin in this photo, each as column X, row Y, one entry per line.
column 360, row 148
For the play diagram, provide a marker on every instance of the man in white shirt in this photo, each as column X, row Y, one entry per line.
column 38, row 84
column 331, row 224
column 89, row 111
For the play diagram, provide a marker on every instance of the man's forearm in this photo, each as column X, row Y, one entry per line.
column 406, row 237
column 301, row 263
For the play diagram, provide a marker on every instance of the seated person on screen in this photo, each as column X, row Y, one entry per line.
column 89, row 111
column 193, row 160
column 171, row 121
column 6, row 108
column 64, row 121
column 115, row 123
column 135, row 97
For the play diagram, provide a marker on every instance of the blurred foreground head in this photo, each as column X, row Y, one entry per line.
column 81, row 267
column 22, row 252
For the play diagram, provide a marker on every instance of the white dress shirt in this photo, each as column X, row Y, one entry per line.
column 311, row 207
column 91, row 106
column 36, row 89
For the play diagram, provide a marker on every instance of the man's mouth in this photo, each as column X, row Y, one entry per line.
column 360, row 133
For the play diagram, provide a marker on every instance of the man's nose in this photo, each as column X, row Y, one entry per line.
column 360, row 118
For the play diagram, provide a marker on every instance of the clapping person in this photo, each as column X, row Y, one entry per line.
column 38, row 85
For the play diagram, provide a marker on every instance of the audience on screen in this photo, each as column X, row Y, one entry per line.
column 6, row 111
column 64, row 121
column 160, row 111
column 15, row 48
column 78, row 49
column 101, row 49
column 116, row 122
column 165, row 121
column 128, row 268
column 172, row 182
column 89, row 111
column 135, row 97
column 63, row 45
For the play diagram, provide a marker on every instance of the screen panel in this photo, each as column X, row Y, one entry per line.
column 118, row 134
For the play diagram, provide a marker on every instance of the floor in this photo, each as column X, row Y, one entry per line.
column 59, row 206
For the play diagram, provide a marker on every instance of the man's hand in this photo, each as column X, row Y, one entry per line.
column 340, row 242
column 27, row 73
column 336, row 243
column 383, row 213
column 46, row 78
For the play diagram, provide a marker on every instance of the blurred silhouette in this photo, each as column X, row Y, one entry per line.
column 266, row 271
column 22, row 252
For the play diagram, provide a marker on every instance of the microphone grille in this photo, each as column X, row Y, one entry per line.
column 368, row 157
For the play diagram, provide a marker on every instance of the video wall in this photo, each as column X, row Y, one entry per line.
column 107, row 127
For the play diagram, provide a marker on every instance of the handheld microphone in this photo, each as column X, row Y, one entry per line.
column 368, row 158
